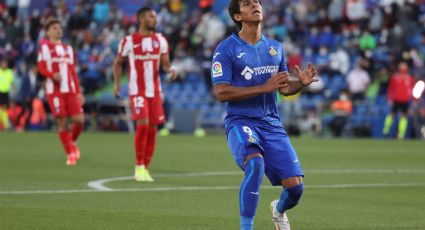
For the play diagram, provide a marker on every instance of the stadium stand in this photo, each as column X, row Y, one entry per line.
column 334, row 35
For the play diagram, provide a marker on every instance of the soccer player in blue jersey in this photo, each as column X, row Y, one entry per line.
column 248, row 68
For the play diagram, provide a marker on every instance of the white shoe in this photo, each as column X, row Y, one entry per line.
column 148, row 177
column 280, row 220
column 139, row 174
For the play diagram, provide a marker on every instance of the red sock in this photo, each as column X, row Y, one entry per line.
column 140, row 143
column 150, row 145
column 77, row 128
column 66, row 140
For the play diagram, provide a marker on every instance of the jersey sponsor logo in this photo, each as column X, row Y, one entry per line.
column 248, row 73
column 271, row 69
column 62, row 60
column 241, row 55
column 272, row 51
column 147, row 57
column 217, row 70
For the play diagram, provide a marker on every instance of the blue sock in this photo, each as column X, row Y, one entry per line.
column 289, row 198
column 247, row 223
column 249, row 192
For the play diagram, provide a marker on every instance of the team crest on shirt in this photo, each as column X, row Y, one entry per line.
column 272, row 51
column 251, row 139
column 217, row 70
column 155, row 44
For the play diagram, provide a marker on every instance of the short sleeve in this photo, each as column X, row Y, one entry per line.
column 43, row 54
column 221, row 69
column 124, row 47
column 283, row 67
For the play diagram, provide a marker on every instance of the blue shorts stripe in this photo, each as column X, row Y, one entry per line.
column 245, row 183
column 238, row 134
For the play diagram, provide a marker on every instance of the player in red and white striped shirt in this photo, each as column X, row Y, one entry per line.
column 145, row 50
column 56, row 62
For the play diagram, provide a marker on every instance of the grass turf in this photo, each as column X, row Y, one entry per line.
column 35, row 162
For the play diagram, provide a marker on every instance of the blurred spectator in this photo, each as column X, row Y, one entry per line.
column 327, row 33
column 101, row 11
column 12, row 6
column 6, row 81
column 28, row 92
column 399, row 96
column 322, row 60
column 292, row 107
column 339, row 62
column 376, row 20
column 38, row 118
column 28, row 49
column 383, row 78
column 77, row 21
column 23, row 7
column 210, row 30
column 335, row 12
column 356, row 10
column 367, row 41
column 341, row 109
column 358, row 80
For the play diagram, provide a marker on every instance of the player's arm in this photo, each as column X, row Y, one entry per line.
column 124, row 48
column 296, row 84
column 226, row 92
column 165, row 59
column 166, row 66
column 76, row 80
column 117, row 72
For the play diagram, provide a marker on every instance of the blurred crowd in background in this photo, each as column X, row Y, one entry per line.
column 357, row 46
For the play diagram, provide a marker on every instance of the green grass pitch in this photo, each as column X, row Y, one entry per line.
column 350, row 184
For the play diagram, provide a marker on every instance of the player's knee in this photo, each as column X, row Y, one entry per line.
column 61, row 123
column 292, row 182
column 142, row 122
column 296, row 192
column 290, row 197
column 294, row 195
column 79, row 121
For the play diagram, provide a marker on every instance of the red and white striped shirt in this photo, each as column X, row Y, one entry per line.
column 58, row 58
column 144, row 54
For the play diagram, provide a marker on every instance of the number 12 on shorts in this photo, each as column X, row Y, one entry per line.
column 138, row 102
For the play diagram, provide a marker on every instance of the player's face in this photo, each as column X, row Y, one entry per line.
column 55, row 31
column 149, row 20
column 3, row 64
column 403, row 68
column 250, row 11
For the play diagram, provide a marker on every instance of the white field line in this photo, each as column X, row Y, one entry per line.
column 100, row 184
column 205, row 188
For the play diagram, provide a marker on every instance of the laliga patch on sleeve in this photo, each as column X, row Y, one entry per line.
column 217, row 70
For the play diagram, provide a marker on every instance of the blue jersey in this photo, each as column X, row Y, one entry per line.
column 241, row 64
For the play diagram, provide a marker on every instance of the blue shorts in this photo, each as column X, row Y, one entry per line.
column 280, row 159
